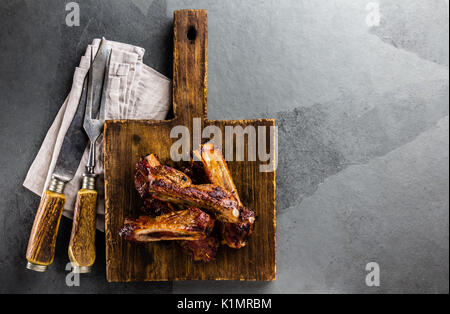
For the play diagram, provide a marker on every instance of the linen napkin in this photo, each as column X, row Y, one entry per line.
column 135, row 91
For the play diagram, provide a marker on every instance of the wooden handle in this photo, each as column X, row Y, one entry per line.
column 82, row 239
column 41, row 245
column 190, row 65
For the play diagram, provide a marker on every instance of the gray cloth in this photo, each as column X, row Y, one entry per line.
column 135, row 91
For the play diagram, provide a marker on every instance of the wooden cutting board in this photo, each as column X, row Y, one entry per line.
column 127, row 140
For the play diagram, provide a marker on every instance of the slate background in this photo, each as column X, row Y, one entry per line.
column 363, row 131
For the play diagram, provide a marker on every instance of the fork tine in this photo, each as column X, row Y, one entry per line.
column 101, row 116
column 90, row 98
column 97, row 74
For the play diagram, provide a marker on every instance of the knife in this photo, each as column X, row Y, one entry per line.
column 82, row 239
column 41, row 244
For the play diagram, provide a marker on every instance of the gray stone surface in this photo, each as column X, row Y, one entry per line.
column 363, row 130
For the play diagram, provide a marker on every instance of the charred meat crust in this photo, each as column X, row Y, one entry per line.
column 168, row 184
column 204, row 250
column 154, row 207
column 189, row 224
column 141, row 177
column 236, row 235
column 194, row 170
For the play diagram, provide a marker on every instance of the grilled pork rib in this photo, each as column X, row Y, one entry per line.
column 234, row 235
column 204, row 250
column 141, row 179
column 189, row 224
column 154, row 207
column 173, row 186
column 195, row 171
column 216, row 168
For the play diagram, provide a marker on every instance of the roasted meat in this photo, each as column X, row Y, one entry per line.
column 141, row 178
column 151, row 205
column 189, row 224
column 173, row 186
column 204, row 250
column 216, row 168
column 234, row 235
column 205, row 184
column 154, row 207
column 195, row 171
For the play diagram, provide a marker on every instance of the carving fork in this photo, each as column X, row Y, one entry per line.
column 82, row 240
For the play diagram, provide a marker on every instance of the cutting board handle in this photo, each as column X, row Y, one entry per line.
column 190, row 65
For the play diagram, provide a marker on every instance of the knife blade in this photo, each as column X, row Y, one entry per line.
column 73, row 145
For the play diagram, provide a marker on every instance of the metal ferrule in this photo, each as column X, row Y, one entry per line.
column 57, row 186
column 81, row 269
column 88, row 181
column 36, row 267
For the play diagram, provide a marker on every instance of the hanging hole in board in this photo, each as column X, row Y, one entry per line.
column 192, row 33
